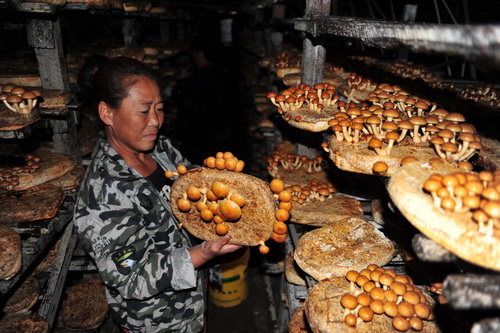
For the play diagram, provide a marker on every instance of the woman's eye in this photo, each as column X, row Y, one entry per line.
column 160, row 110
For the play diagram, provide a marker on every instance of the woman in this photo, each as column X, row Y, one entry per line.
column 151, row 268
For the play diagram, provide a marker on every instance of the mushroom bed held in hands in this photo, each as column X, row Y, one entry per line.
column 378, row 291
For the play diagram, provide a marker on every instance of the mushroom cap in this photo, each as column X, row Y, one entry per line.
column 480, row 216
column 467, row 137
column 390, row 126
column 14, row 99
column 416, row 323
column 361, row 280
column 373, row 120
column 446, row 133
column 455, row 128
column 405, row 124
column 392, row 135
column 386, row 279
column 408, row 159
column 398, row 287
column 280, row 98
column 380, row 167
column 271, row 95
column 432, row 185
column 422, row 310
column 352, row 276
column 333, row 122
column 364, row 299
column 417, row 120
column 449, row 147
column 18, row 91
column 421, row 105
column 345, row 122
column 8, row 87
column 406, row 309
column 365, row 313
column 432, row 119
column 467, row 128
column 475, row 145
column 391, row 113
column 377, row 306
column 353, row 111
column 377, row 293
column 391, row 295
column 349, row 301
column 455, row 117
column 357, row 126
column 466, row 165
column 375, row 275
column 375, row 143
column 400, row 323
column 411, row 297
column 492, row 208
column 388, row 105
column 439, row 112
column 3, row 96
column 390, row 308
column 28, row 95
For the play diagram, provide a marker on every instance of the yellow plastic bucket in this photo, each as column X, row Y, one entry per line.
column 234, row 289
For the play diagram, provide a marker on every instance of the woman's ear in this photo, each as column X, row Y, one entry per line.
column 106, row 113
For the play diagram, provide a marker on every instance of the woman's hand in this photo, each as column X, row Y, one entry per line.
column 208, row 250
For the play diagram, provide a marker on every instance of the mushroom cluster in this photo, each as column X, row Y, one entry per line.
column 469, row 193
column 9, row 175
column 485, row 93
column 385, row 125
column 293, row 162
column 378, row 291
column 357, row 86
column 414, row 71
column 437, row 288
column 225, row 161
column 314, row 191
column 17, row 99
column 317, row 98
column 284, row 199
column 287, row 60
column 217, row 204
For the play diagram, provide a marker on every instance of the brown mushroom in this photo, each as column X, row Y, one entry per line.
column 376, row 144
column 380, row 168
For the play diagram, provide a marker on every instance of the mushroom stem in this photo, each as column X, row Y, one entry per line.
column 402, row 135
column 416, row 136
column 462, row 151
column 9, row 106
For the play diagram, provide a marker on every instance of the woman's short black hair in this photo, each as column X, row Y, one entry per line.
column 109, row 80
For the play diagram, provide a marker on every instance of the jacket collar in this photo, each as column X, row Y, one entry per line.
column 116, row 165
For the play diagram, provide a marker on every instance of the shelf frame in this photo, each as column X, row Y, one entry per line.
column 476, row 43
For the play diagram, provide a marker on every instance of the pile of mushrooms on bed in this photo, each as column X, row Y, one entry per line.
column 18, row 99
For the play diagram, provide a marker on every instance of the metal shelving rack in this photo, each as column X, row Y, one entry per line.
column 474, row 43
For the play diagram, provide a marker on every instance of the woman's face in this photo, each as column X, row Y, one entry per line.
column 135, row 124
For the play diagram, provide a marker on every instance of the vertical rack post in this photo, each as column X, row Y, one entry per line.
column 45, row 37
column 313, row 62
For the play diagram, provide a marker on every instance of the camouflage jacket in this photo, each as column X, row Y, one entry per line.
column 129, row 230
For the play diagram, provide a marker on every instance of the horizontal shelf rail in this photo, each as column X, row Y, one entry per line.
column 476, row 43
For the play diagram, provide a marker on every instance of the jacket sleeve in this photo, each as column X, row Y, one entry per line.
column 130, row 260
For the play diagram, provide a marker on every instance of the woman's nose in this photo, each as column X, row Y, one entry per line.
column 154, row 120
